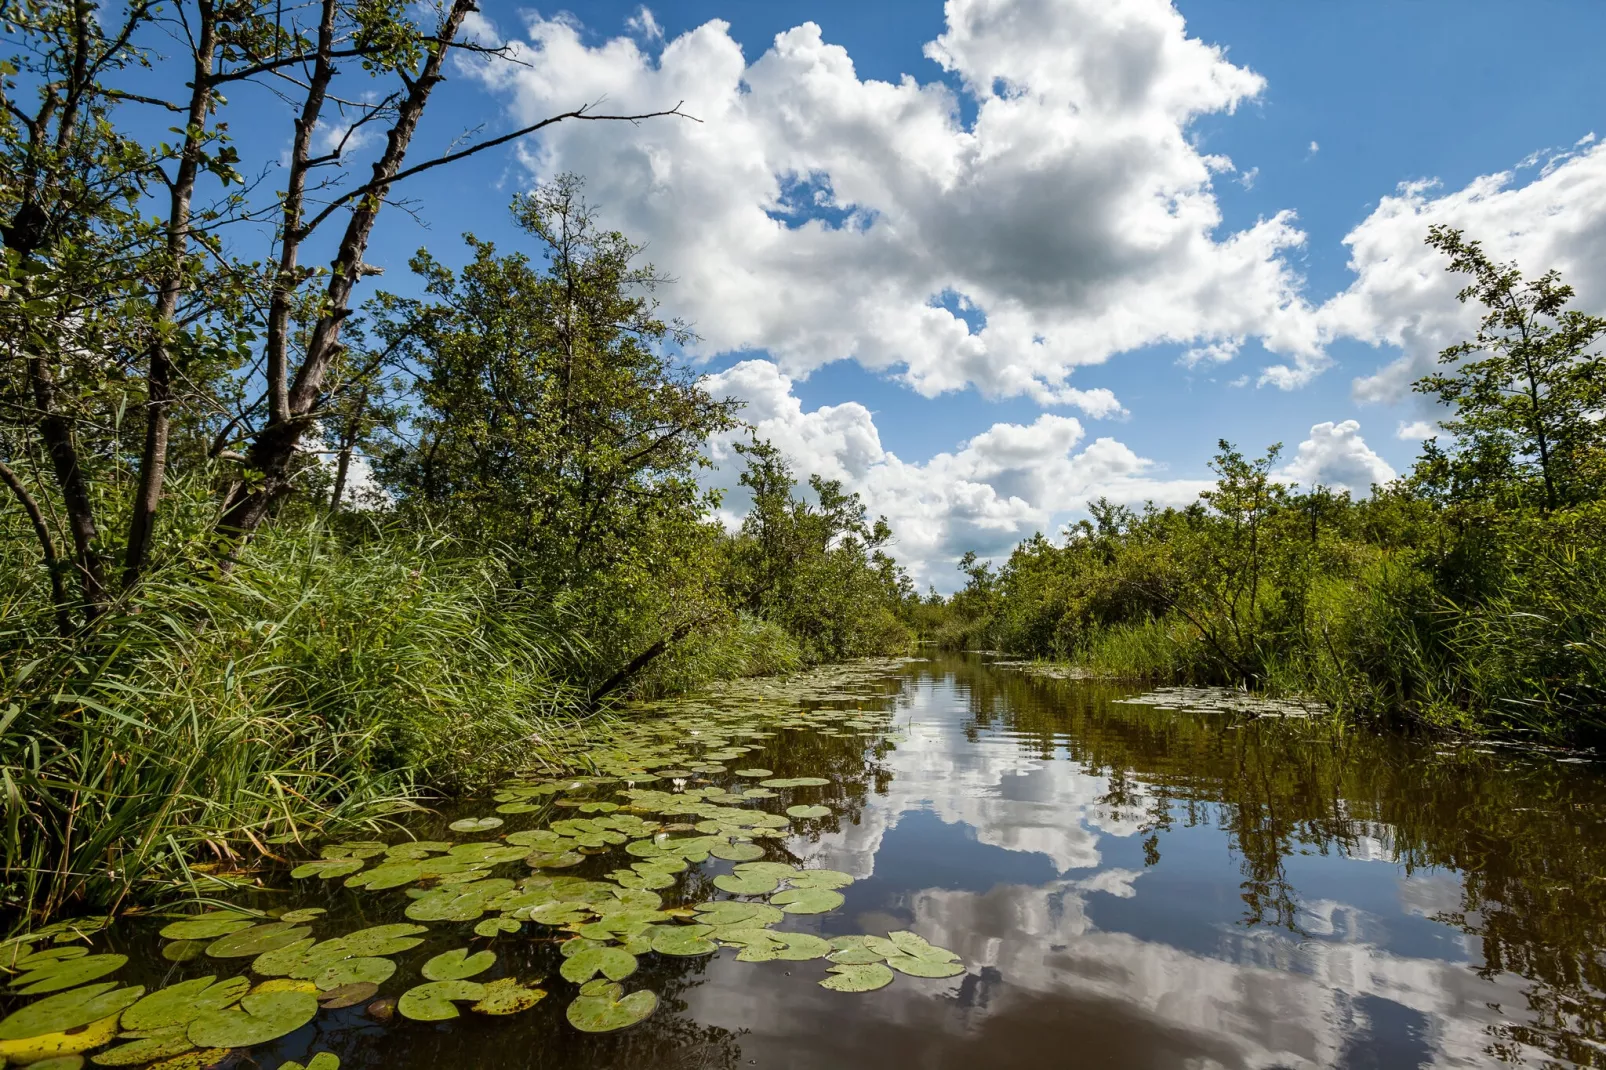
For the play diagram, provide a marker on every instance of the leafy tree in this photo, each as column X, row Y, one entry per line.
column 1526, row 392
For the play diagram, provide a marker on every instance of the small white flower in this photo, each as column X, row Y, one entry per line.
column 679, row 782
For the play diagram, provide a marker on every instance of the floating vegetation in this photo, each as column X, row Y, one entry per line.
column 658, row 800
column 1225, row 700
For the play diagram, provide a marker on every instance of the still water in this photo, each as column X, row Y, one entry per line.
column 1127, row 886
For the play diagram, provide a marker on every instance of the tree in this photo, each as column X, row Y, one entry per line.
column 1526, row 392
column 548, row 415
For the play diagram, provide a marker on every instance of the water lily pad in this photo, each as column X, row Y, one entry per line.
column 389, row 875
column 158, row 1044
column 208, row 926
column 508, row 996
column 249, row 943
column 182, row 1003
column 807, row 900
column 737, row 852
column 298, row 917
column 563, row 912
column 613, row 963
column 282, row 960
column 917, row 967
column 206, row 1059
column 490, row 927
column 327, row 868
column 727, row 913
column 414, row 850
column 355, row 970
column 852, row 951
column 260, row 1017
column 518, row 808
column 16, row 956
column 457, row 964
column 60, row 1047
column 284, row 984
column 457, row 904
column 758, row 793
column 324, row 1060
column 777, row 870
column 803, row 812
column 54, row 975
column 684, row 940
column 820, row 878
column 432, row 1002
column 184, row 950
column 857, row 977
column 343, row 996
column 475, row 824
column 603, row 1007
column 553, row 859
column 795, row 782
column 755, row 774
column 746, row 884
column 67, row 1010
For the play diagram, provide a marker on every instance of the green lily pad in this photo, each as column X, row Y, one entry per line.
column 857, row 977
column 602, row 1007
column 802, row 812
column 684, row 940
column 260, row 1017
column 758, row 793
column 613, row 963
column 281, row 960
column 508, row 996
column 414, row 850
column 180, row 1004
column 389, row 875
column 249, row 943
column 327, row 868
column 737, row 852
column 475, row 824
column 324, row 1060
column 563, row 912
column 777, row 870
column 807, row 900
column 342, row 996
column 23, row 960
column 541, row 839
column 158, row 1044
column 432, row 1002
column 206, row 926
column 726, row 913
column 496, row 926
column 390, row 939
column 356, row 970
column 518, row 808
column 852, row 951
column 916, row 946
column 458, row 964
column 553, row 859
column 58, row 974
column 184, row 950
column 917, row 967
column 820, row 878
column 298, row 917
column 455, row 904
column 795, row 782
column 744, row 884
column 354, row 849
column 755, row 774
column 67, row 1010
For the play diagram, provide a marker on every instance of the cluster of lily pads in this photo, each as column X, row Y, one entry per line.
column 603, row 924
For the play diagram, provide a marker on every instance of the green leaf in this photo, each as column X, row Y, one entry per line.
column 807, row 900
column 602, row 1007
column 180, row 1004
column 341, row 996
column 324, row 1060
column 857, row 977
column 737, row 852
column 356, row 970
column 207, row 926
column 58, row 974
column 820, row 878
column 731, row 914
column 327, row 868
column 802, row 812
column 475, row 824
column 745, row 884
column 390, row 939
column 157, row 1044
column 508, row 996
column 613, row 963
column 249, row 943
column 918, row 967
column 296, row 917
column 432, row 1002
column 260, row 1017
column 457, row 964
column 496, row 926
column 755, row 773
column 684, row 940
column 67, row 1010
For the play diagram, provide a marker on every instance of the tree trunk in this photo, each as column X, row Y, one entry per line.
column 159, row 382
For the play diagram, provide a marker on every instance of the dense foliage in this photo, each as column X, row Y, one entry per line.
column 1471, row 593
column 273, row 556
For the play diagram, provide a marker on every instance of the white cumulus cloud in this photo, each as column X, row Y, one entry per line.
column 1336, row 456
column 822, row 216
column 986, row 495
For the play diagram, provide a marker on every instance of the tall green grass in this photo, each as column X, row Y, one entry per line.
column 317, row 685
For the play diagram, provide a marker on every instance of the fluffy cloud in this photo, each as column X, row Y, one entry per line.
column 1336, row 456
column 986, row 495
column 821, row 216
column 1402, row 295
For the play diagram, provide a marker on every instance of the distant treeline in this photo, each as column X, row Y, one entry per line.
column 1468, row 594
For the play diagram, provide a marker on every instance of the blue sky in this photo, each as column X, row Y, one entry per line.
column 1067, row 247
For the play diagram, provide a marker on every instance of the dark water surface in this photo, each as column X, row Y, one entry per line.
column 1128, row 887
